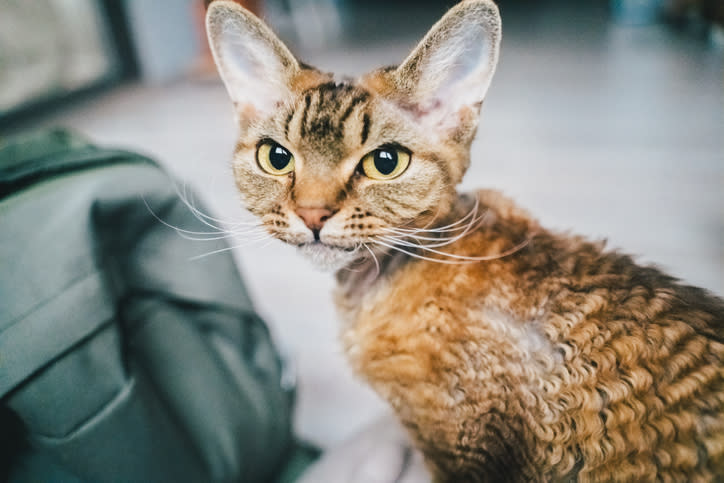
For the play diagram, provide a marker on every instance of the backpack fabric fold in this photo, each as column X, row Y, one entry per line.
column 121, row 358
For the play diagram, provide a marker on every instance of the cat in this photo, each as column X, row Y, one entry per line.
column 509, row 352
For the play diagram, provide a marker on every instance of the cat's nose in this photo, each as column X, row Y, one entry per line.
column 314, row 218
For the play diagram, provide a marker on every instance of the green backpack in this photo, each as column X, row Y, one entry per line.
column 121, row 359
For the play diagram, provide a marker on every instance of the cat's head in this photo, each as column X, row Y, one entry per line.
column 332, row 166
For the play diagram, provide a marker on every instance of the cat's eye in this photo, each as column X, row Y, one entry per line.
column 274, row 158
column 385, row 163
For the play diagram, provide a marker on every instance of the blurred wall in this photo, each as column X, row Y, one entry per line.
column 164, row 37
column 50, row 48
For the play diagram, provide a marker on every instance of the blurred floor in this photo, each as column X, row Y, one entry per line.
column 603, row 130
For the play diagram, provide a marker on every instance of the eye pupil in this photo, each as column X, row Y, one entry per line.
column 385, row 161
column 279, row 157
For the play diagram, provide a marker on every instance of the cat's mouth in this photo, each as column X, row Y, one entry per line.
column 328, row 257
column 318, row 243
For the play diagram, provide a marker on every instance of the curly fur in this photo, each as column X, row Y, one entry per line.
column 553, row 359
column 561, row 362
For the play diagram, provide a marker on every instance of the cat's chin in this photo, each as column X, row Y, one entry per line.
column 328, row 258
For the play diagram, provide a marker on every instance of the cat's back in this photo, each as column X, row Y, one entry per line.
column 561, row 359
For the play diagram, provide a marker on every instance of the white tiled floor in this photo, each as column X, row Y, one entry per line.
column 603, row 130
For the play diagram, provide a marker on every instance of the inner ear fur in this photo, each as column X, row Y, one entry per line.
column 453, row 65
column 256, row 67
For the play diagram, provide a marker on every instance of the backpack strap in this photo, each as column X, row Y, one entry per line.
column 30, row 158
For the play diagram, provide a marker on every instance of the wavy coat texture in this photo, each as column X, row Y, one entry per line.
column 551, row 360
column 560, row 362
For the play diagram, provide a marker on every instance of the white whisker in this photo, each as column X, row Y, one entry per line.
column 401, row 231
column 229, row 248
column 374, row 257
column 422, row 257
column 464, row 258
column 443, row 241
column 270, row 240
column 207, row 220
column 239, row 234
column 179, row 229
column 203, row 235
column 202, row 217
column 449, row 227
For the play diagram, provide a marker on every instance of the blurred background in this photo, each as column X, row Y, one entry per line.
column 606, row 118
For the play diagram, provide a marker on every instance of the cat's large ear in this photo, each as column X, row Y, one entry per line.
column 254, row 64
column 453, row 65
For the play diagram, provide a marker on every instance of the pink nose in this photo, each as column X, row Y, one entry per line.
column 314, row 218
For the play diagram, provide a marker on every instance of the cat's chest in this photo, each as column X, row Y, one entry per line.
column 435, row 336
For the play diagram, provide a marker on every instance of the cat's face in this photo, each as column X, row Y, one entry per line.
column 335, row 167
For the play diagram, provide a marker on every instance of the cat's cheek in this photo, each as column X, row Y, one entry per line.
column 286, row 227
column 260, row 193
column 400, row 202
column 352, row 226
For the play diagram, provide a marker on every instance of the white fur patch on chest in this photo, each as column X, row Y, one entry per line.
column 525, row 336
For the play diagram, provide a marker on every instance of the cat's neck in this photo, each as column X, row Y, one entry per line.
column 379, row 262
column 355, row 280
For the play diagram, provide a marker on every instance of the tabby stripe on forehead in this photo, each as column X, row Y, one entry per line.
column 288, row 122
column 303, row 122
column 322, row 90
column 321, row 127
column 353, row 103
column 365, row 127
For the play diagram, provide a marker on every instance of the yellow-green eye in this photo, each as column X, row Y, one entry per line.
column 385, row 163
column 274, row 158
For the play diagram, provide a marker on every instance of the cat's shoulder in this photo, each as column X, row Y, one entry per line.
column 501, row 205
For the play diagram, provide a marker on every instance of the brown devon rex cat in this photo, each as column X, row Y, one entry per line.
column 509, row 352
